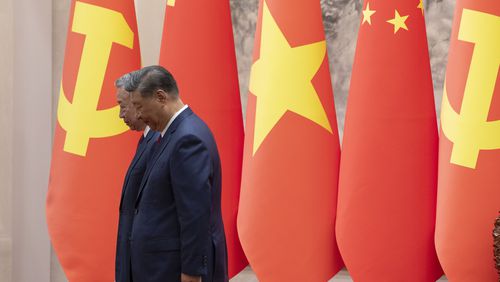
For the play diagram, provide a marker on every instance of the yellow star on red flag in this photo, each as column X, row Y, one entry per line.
column 281, row 80
column 398, row 21
column 421, row 6
column 367, row 13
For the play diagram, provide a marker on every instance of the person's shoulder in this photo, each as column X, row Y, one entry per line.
column 193, row 124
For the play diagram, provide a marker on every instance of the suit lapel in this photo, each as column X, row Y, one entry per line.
column 143, row 147
column 163, row 144
column 140, row 151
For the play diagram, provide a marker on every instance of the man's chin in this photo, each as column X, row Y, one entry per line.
column 132, row 127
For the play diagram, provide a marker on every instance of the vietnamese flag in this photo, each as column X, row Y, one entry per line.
column 469, row 147
column 198, row 48
column 291, row 157
column 388, row 170
column 92, row 146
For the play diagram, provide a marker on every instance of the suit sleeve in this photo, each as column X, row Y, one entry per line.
column 191, row 172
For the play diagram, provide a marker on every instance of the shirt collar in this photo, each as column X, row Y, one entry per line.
column 172, row 120
column 146, row 131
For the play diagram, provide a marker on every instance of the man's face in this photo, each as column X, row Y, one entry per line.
column 127, row 111
column 147, row 109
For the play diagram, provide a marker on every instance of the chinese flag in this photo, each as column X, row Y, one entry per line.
column 388, row 171
column 198, row 48
column 291, row 156
column 92, row 146
column 469, row 147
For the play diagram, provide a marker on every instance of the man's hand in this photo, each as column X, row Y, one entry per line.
column 189, row 278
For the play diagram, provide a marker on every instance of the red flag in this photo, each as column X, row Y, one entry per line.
column 291, row 155
column 92, row 146
column 198, row 48
column 388, row 170
column 469, row 156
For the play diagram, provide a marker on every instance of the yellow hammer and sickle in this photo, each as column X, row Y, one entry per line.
column 470, row 131
column 80, row 119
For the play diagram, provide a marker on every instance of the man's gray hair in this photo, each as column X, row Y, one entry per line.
column 122, row 80
column 133, row 81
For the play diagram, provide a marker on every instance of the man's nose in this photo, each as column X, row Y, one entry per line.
column 138, row 115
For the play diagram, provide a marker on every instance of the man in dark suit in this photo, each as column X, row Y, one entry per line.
column 132, row 180
column 177, row 234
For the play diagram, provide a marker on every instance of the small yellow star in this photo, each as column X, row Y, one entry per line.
column 367, row 13
column 398, row 21
column 171, row 3
column 421, row 6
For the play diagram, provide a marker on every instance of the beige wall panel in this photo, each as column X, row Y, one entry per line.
column 32, row 87
column 6, row 63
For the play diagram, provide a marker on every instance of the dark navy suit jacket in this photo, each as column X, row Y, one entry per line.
column 178, row 223
column 130, row 189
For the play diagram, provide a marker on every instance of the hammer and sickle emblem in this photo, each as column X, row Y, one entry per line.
column 80, row 118
column 470, row 131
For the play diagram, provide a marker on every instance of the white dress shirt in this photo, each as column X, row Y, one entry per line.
column 172, row 120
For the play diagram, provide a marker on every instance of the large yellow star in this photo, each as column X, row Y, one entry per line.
column 367, row 14
column 171, row 3
column 281, row 80
column 398, row 21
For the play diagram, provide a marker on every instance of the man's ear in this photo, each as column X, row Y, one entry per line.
column 161, row 96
